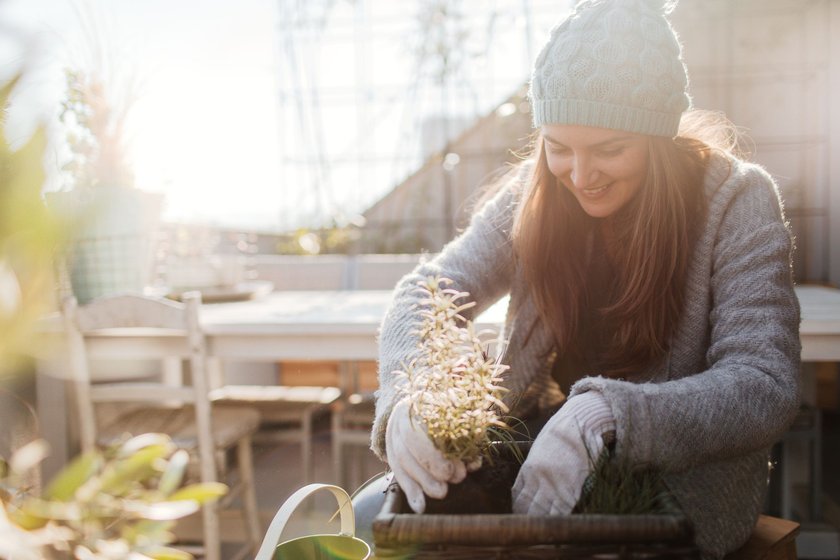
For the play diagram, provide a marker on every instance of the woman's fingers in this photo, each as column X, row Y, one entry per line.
column 403, row 452
column 474, row 465
column 412, row 490
column 427, row 455
column 433, row 487
column 405, row 456
column 459, row 473
column 418, row 465
column 431, row 468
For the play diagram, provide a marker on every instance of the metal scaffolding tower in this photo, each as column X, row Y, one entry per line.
column 368, row 89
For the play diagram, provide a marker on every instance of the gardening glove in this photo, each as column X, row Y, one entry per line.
column 551, row 479
column 418, row 466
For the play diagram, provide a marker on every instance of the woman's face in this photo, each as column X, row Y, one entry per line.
column 603, row 168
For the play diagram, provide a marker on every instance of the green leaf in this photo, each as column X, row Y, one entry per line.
column 134, row 468
column 146, row 530
column 142, row 441
column 42, row 509
column 29, row 456
column 162, row 511
column 201, row 492
column 172, row 477
column 6, row 90
column 63, row 487
column 26, row 520
column 167, row 553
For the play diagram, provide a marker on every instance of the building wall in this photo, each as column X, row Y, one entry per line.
column 768, row 65
column 833, row 87
column 772, row 66
column 432, row 205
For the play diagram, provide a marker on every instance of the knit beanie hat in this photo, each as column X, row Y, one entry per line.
column 612, row 64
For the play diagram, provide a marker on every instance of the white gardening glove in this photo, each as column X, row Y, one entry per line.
column 418, row 465
column 551, row 479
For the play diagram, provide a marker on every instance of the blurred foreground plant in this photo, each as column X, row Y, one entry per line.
column 454, row 386
column 29, row 239
column 118, row 503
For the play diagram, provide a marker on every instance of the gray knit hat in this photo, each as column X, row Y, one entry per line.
column 612, row 64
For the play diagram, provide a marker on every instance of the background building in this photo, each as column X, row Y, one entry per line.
column 767, row 64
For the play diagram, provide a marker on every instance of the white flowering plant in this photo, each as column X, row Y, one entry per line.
column 452, row 383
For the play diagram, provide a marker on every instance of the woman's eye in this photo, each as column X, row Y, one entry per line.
column 557, row 150
column 612, row 152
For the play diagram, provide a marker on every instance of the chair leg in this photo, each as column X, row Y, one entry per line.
column 338, row 472
column 816, row 467
column 306, row 446
column 212, row 537
column 359, row 476
column 249, row 494
column 787, row 497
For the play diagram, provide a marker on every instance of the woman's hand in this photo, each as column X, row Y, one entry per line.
column 551, row 479
column 418, row 466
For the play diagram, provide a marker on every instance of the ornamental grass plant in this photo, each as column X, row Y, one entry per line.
column 452, row 382
column 617, row 487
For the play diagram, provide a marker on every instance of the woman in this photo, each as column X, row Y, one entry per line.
column 650, row 282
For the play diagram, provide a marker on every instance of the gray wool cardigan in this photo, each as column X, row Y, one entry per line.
column 707, row 414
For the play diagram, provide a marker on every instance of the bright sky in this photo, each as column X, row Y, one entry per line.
column 215, row 109
column 205, row 120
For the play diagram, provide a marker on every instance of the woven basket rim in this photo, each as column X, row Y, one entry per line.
column 395, row 526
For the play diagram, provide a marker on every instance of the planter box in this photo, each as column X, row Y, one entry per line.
column 400, row 533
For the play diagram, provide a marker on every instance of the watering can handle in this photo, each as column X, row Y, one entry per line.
column 272, row 536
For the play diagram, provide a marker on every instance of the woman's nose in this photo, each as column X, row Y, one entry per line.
column 581, row 173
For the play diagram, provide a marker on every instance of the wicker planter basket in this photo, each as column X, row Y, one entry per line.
column 400, row 533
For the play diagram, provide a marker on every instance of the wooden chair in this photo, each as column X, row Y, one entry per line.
column 286, row 413
column 139, row 328
column 352, row 421
column 772, row 539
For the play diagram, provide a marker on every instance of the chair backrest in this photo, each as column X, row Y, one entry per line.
column 130, row 327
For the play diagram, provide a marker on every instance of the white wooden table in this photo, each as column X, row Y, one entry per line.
column 339, row 325
column 343, row 325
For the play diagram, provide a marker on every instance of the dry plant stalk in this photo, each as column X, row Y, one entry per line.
column 95, row 132
column 453, row 385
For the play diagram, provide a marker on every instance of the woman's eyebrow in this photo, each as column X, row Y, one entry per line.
column 613, row 140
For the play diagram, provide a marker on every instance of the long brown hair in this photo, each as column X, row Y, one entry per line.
column 648, row 251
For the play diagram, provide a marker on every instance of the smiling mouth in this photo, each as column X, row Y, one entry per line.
column 594, row 193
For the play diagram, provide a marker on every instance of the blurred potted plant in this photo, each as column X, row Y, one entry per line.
column 115, row 223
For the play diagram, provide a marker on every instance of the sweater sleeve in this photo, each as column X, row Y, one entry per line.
column 479, row 261
column 749, row 392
